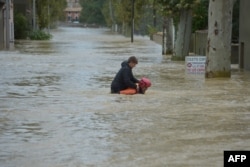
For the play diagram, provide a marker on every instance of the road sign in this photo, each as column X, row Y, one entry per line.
column 195, row 64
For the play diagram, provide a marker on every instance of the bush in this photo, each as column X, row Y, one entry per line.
column 151, row 31
column 39, row 35
column 21, row 26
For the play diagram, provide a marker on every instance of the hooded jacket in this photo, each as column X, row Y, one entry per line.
column 124, row 79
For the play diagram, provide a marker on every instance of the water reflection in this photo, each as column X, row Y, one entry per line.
column 56, row 109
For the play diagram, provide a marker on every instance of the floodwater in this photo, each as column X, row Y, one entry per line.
column 56, row 109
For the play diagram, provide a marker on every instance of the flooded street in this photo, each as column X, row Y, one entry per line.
column 56, row 109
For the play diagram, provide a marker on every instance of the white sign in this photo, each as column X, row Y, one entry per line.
column 195, row 64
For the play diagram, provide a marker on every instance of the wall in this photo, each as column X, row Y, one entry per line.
column 198, row 45
column 200, row 42
column 157, row 38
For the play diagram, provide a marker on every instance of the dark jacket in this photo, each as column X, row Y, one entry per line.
column 124, row 79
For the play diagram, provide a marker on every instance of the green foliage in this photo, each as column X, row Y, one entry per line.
column 200, row 16
column 236, row 15
column 92, row 12
column 149, row 22
column 108, row 13
column 21, row 26
column 39, row 35
column 48, row 11
column 151, row 30
column 123, row 12
column 172, row 7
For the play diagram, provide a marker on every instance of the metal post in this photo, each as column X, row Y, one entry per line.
column 132, row 21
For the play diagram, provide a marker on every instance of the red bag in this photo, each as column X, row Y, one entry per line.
column 145, row 82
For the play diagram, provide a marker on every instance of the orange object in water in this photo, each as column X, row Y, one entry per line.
column 129, row 91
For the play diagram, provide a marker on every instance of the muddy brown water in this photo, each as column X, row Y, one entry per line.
column 56, row 109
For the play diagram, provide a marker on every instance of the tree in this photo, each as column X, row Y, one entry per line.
column 200, row 16
column 123, row 15
column 117, row 14
column 108, row 13
column 167, row 37
column 165, row 9
column 92, row 12
column 42, row 13
column 21, row 26
column 49, row 11
column 218, row 51
column 182, row 8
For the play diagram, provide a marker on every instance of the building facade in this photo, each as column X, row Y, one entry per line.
column 244, row 35
column 72, row 11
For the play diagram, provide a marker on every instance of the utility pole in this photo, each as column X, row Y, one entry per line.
column 132, row 21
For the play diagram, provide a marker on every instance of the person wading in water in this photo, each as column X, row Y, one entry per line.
column 124, row 81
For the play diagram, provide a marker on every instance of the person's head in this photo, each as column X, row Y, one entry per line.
column 132, row 61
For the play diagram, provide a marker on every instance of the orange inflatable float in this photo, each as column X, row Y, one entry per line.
column 144, row 84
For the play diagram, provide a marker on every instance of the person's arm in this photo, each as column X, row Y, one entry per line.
column 134, row 79
column 126, row 79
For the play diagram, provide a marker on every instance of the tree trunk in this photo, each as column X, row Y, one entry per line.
column 167, row 38
column 126, row 29
column 183, row 35
column 112, row 16
column 154, row 13
column 218, row 50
